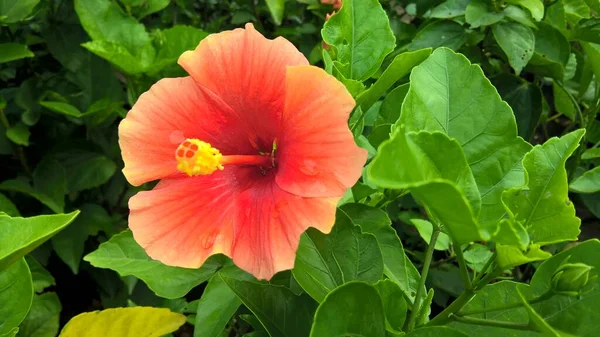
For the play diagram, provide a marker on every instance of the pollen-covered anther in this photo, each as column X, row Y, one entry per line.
column 195, row 157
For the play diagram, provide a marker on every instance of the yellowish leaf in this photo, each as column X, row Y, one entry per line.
column 124, row 322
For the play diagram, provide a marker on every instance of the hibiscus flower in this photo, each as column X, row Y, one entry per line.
column 251, row 149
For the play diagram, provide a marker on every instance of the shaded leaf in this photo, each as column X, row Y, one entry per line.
column 324, row 262
column 13, row 51
column 354, row 309
column 42, row 320
column 397, row 266
column 123, row 255
column 281, row 312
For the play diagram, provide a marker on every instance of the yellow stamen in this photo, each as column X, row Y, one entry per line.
column 195, row 157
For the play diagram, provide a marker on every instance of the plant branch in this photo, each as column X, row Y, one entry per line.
column 494, row 323
column 464, row 271
column 424, row 272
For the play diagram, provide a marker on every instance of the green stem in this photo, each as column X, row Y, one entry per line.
column 488, row 322
column 464, row 271
column 19, row 149
column 541, row 298
column 485, row 267
column 424, row 272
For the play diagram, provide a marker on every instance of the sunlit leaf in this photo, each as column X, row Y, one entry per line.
column 124, row 322
column 19, row 236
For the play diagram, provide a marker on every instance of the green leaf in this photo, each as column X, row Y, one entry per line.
column 276, row 7
column 19, row 134
column 543, row 205
column 524, row 98
column 481, row 13
column 517, row 41
column 19, row 236
column 396, row 265
column 394, row 305
column 361, row 35
column 118, row 55
column 22, row 186
column 556, row 17
column 12, row 11
column 425, row 229
column 592, row 153
column 476, row 256
column 49, row 179
column 577, row 315
column 562, row 101
column 172, row 42
column 576, row 10
column 593, row 53
column 281, row 312
column 123, row 255
column 69, row 243
column 400, row 66
column 587, row 30
column 423, row 314
column 14, row 51
column 353, row 309
column 436, row 331
column 449, row 9
column 324, row 262
column 443, row 90
column 216, row 306
column 124, row 322
column 509, row 257
column 62, row 108
column 151, row 6
column 104, row 20
column 519, row 15
column 436, row 172
column 16, row 294
column 8, row 207
column 536, row 320
column 84, row 169
column 43, row 318
column 588, row 182
column 389, row 112
column 439, row 34
column 593, row 4
column 495, row 295
column 535, row 7
column 42, row 279
column 552, row 51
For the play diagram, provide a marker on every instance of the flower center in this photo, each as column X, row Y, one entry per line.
column 195, row 157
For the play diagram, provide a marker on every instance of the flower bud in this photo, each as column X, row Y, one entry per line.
column 572, row 279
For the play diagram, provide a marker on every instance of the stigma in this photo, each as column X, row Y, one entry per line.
column 195, row 157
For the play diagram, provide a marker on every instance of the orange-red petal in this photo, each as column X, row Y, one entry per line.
column 269, row 224
column 171, row 111
column 248, row 72
column 316, row 153
column 236, row 212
